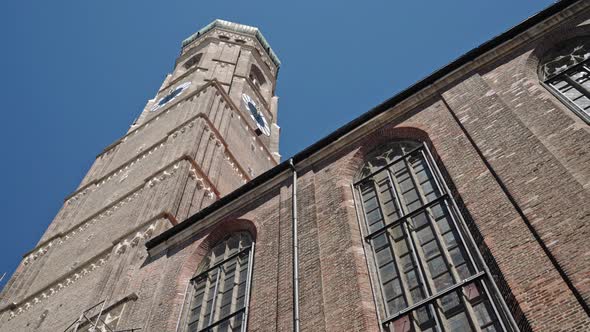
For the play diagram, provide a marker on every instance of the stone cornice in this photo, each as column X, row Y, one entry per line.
column 141, row 233
column 230, row 157
column 163, row 173
column 235, row 208
column 191, row 70
column 221, row 31
column 165, row 109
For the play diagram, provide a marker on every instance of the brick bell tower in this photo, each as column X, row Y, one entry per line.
column 210, row 128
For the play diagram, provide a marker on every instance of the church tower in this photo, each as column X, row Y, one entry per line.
column 210, row 128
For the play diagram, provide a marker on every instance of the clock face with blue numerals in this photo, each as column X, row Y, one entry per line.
column 256, row 115
column 172, row 94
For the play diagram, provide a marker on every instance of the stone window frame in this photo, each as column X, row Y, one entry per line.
column 479, row 279
column 565, row 71
column 209, row 279
column 192, row 61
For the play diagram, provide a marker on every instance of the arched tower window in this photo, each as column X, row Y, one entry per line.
column 218, row 296
column 426, row 270
column 194, row 60
column 565, row 69
column 257, row 77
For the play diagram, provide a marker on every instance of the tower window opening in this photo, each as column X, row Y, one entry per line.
column 427, row 271
column 565, row 70
column 193, row 61
column 257, row 77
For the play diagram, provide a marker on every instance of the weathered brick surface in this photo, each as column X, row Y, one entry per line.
column 544, row 190
column 514, row 156
column 173, row 162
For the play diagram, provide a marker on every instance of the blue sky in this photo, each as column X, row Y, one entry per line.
column 76, row 74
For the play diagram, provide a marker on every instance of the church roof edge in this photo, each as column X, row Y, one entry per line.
column 236, row 27
column 359, row 121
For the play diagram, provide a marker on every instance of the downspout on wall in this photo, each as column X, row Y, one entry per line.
column 295, row 249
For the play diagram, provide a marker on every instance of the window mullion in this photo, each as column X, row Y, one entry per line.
column 565, row 99
column 213, row 301
column 437, row 296
column 429, row 281
column 247, row 292
column 391, row 240
column 236, row 288
column 473, row 244
column 444, row 248
column 576, row 86
column 390, row 246
column 206, row 295
column 393, row 162
column 408, row 234
column 218, row 300
column 216, row 265
column 364, row 225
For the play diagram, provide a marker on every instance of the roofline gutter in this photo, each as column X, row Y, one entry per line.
column 350, row 126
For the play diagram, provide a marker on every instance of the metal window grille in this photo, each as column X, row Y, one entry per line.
column 220, row 294
column 573, row 87
column 428, row 274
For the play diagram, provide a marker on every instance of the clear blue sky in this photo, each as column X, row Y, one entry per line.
column 76, row 74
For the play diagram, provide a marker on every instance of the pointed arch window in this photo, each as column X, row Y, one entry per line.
column 426, row 270
column 218, row 296
column 193, row 61
column 565, row 70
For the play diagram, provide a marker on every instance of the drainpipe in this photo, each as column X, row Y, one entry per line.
column 295, row 250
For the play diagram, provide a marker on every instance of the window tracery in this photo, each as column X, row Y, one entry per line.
column 426, row 268
column 565, row 69
column 219, row 293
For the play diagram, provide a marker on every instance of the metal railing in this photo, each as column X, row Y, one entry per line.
column 92, row 321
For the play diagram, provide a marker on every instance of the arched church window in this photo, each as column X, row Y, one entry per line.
column 565, row 69
column 257, row 77
column 219, row 294
column 427, row 273
column 194, row 60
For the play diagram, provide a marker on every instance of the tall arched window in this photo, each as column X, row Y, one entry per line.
column 565, row 69
column 218, row 296
column 427, row 272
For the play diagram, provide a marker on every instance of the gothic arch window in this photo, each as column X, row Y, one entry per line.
column 218, row 295
column 257, row 78
column 426, row 271
column 565, row 69
column 194, row 60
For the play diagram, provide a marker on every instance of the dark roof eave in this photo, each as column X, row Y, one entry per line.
column 342, row 131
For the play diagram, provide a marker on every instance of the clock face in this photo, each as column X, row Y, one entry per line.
column 173, row 93
column 256, row 114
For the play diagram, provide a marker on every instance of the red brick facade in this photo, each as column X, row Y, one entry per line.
column 514, row 155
